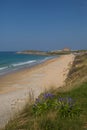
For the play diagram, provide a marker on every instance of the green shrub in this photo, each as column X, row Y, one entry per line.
column 68, row 108
column 64, row 106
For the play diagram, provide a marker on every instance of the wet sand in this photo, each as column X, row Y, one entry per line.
column 15, row 87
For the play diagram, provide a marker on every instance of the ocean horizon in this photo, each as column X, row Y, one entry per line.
column 11, row 61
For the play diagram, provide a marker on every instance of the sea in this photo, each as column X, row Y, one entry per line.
column 11, row 61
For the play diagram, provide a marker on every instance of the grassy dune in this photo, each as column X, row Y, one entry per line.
column 75, row 88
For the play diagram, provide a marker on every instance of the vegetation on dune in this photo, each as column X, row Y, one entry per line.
column 62, row 109
column 63, row 106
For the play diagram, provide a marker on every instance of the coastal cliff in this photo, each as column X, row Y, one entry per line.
column 33, row 52
column 36, row 52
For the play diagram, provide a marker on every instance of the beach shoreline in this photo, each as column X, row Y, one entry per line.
column 21, row 71
column 16, row 62
column 15, row 87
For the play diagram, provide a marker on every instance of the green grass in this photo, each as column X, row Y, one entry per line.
column 49, row 121
column 76, row 88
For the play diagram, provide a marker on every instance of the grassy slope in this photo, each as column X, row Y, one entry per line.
column 76, row 87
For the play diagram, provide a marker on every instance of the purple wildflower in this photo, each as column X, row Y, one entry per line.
column 70, row 101
column 48, row 95
column 66, row 100
column 61, row 99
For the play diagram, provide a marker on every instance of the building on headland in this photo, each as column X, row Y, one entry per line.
column 62, row 50
column 66, row 49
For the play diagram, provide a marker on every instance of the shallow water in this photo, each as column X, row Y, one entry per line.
column 11, row 61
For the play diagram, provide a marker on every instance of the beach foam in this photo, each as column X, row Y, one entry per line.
column 23, row 63
column 3, row 68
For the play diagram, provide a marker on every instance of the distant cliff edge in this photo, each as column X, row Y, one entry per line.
column 54, row 52
column 33, row 52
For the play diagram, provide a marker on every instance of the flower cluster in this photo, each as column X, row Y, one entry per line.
column 66, row 101
column 48, row 96
column 64, row 106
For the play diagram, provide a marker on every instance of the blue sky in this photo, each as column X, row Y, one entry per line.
column 43, row 24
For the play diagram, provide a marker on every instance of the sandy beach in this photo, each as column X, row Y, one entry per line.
column 15, row 87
